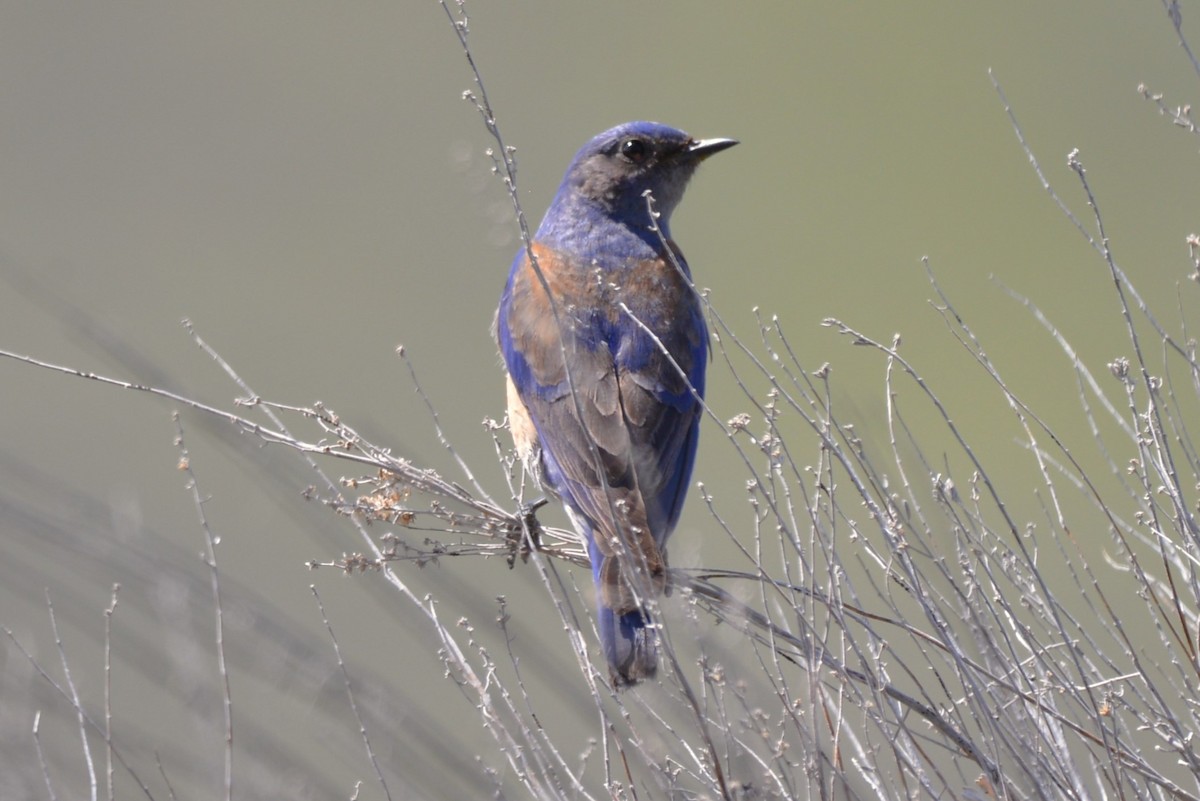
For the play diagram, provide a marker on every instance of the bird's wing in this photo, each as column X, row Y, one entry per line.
column 620, row 451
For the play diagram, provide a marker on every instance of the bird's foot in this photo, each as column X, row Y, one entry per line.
column 529, row 537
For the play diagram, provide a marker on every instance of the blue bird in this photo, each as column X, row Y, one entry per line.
column 603, row 398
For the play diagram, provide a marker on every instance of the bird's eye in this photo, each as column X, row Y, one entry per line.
column 636, row 150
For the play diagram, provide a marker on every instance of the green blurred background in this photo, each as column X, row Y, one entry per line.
column 304, row 182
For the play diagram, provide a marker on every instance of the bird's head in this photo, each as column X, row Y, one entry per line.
column 614, row 170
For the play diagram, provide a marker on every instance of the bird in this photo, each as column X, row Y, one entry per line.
column 606, row 373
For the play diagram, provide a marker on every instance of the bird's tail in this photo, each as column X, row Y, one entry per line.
column 630, row 644
column 627, row 633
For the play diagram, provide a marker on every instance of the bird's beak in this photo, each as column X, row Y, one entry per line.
column 703, row 148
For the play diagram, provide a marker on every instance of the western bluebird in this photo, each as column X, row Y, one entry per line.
column 603, row 400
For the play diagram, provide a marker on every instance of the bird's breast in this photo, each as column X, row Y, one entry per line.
column 594, row 293
column 632, row 313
